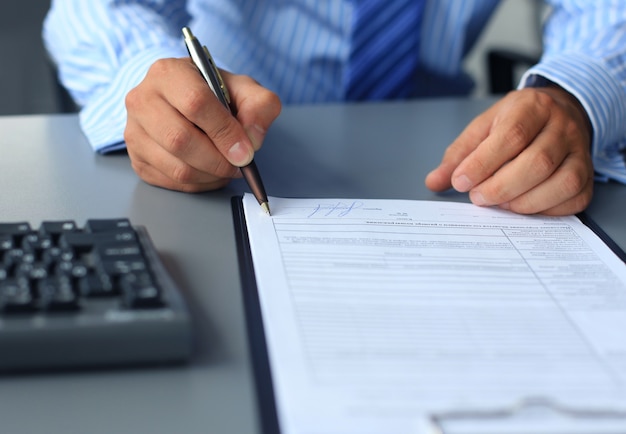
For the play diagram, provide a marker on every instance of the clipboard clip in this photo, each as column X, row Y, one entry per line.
column 585, row 420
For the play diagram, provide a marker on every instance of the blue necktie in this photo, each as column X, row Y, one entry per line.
column 385, row 46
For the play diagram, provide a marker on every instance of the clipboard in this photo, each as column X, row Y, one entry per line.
column 437, row 421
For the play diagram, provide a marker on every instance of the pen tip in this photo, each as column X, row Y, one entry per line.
column 266, row 208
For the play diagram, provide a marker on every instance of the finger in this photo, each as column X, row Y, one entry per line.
column 156, row 166
column 572, row 206
column 531, row 167
column 193, row 98
column 477, row 130
column 515, row 126
column 177, row 136
column 569, row 190
column 152, row 176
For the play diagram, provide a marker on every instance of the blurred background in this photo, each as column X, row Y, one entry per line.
column 28, row 84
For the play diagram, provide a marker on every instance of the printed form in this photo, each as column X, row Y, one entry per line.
column 380, row 314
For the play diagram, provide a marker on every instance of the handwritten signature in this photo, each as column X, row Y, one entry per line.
column 338, row 209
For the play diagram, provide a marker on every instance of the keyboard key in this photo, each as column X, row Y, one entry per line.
column 50, row 257
column 16, row 296
column 107, row 225
column 83, row 242
column 97, row 285
column 15, row 229
column 72, row 269
column 77, row 242
column 6, row 243
column 119, row 258
column 35, row 242
column 12, row 258
column 31, row 271
column 57, row 294
column 139, row 291
column 56, row 228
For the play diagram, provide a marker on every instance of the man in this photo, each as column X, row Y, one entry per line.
column 534, row 151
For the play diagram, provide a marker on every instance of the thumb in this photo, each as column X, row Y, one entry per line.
column 256, row 106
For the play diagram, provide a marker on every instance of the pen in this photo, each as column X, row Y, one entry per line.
column 204, row 62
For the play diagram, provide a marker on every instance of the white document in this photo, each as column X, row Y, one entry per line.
column 379, row 314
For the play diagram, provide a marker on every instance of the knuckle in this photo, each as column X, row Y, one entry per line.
column 221, row 132
column 573, row 183
column 194, row 101
column 138, row 166
column 182, row 174
column 129, row 135
column 517, row 136
column 524, row 207
column 177, row 140
column 573, row 131
column 525, row 204
column 583, row 200
column 496, row 192
column 132, row 99
column 480, row 169
column 519, row 208
column 543, row 163
column 543, row 99
column 577, row 204
column 160, row 68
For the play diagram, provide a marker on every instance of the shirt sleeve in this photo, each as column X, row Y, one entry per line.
column 585, row 53
column 102, row 49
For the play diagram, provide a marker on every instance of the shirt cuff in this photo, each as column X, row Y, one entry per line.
column 600, row 94
column 103, row 118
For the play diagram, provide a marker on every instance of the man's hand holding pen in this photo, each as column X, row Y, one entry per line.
column 178, row 134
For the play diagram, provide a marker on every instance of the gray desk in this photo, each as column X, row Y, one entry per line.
column 47, row 171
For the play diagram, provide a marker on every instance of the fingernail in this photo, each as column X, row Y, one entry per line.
column 256, row 135
column 239, row 155
column 462, row 183
column 477, row 198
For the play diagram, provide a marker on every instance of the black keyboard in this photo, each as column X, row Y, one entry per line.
column 91, row 296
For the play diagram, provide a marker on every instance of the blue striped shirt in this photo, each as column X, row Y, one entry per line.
column 299, row 49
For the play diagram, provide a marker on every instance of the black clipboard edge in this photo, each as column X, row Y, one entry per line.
column 254, row 322
column 591, row 224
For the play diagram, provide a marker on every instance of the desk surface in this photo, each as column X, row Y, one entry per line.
column 47, row 171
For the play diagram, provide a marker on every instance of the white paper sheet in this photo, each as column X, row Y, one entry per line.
column 378, row 313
